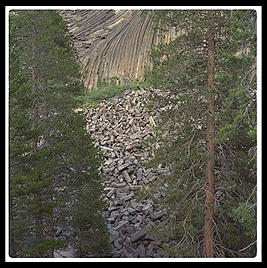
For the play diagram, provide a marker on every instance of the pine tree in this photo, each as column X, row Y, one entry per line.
column 236, row 138
column 197, row 130
column 209, row 202
column 53, row 161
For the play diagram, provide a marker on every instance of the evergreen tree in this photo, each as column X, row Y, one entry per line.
column 191, row 111
column 236, row 138
column 53, row 163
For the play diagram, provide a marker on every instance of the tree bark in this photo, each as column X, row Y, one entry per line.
column 209, row 202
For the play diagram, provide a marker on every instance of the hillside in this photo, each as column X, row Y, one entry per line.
column 133, row 134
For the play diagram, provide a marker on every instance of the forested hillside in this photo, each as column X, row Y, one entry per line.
column 53, row 165
column 208, row 136
column 133, row 134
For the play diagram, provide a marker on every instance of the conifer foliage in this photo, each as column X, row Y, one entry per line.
column 207, row 132
column 53, row 164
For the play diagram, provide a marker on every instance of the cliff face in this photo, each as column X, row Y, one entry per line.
column 111, row 43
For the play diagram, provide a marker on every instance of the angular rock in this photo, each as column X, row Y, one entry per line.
column 124, row 166
column 141, row 251
column 120, row 225
column 121, row 195
column 127, row 197
column 111, row 192
column 112, row 208
column 137, row 235
column 148, row 207
column 131, row 250
column 135, row 144
column 144, row 180
column 107, row 189
column 161, row 171
column 129, row 229
column 124, row 189
column 150, row 250
column 158, row 215
column 139, row 174
column 110, row 219
column 126, row 176
column 106, row 149
column 118, row 185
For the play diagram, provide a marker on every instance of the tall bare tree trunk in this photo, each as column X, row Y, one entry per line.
column 209, row 202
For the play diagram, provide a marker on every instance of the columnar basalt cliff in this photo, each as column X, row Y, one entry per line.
column 111, row 43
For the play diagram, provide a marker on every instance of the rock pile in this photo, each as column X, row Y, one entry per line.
column 119, row 127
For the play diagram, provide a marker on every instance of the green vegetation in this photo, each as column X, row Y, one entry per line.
column 53, row 163
column 206, row 137
column 106, row 90
column 103, row 90
column 180, row 72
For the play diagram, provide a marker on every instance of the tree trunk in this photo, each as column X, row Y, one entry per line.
column 209, row 202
